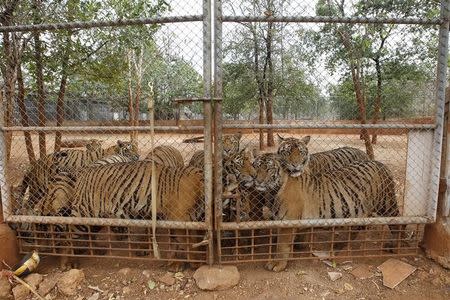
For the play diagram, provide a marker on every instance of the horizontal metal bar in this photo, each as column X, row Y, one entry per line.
column 324, row 222
column 98, row 24
column 330, row 126
column 329, row 19
column 180, row 100
column 99, row 128
column 104, row 222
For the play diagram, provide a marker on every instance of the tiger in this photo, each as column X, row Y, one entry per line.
column 36, row 179
column 296, row 159
column 166, row 156
column 358, row 190
column 230, row 146
column 113, row 159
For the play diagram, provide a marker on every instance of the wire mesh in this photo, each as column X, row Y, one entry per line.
column 80, row 83
column 337, row 129
column 336, row 104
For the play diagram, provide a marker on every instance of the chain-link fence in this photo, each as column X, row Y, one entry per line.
column 94, row 158
column 322, row 136
column 339, row 106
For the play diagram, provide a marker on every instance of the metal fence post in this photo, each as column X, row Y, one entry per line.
column 218, row 120
column 441, row 82
column 208, row 124
column 4, row 207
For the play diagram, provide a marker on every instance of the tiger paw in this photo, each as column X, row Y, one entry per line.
column 276, row 266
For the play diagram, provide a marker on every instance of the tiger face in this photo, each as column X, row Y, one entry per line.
column 231, row 143
column 268, row 172
column 238, row 170
column 294, row 154
column 127, row 148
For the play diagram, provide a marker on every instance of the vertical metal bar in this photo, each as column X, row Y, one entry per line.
column 440, row 108
column 4, row 207
column 208, row 123
column 218, row 121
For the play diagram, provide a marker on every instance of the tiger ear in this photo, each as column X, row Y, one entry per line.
column 280, row 138
column 306, row 139
column 119, row 143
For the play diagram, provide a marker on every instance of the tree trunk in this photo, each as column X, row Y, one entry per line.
column 39, row 81
column 24, row 115
column 377, row 109
column 268, row 76
column 260, row 86
column 9, row 79
column 60, row 108
column 362, row 109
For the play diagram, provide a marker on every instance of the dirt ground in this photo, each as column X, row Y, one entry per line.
column 301, row 280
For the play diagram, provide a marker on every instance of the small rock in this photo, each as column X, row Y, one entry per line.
column 334, row 275
column 47, row 285
column 216, row 278
column 69, row 281
column 34, row 279
column 348, row 286
column 20, row 292
column 146, row 273
column 167, row 279
column 94, row 296
column 151, row 284
column 124, row 271
column 126, row 290
column 5, row 288
column 362, row 272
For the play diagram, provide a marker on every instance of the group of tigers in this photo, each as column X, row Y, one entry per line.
column 289, row 184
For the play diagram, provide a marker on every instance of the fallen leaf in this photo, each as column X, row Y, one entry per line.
column 348, row 286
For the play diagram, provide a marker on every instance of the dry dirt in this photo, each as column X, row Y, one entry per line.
column 301, row 280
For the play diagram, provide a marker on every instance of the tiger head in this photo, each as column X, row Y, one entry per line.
column 127, row 148
column 57, row 200
column 268, row 172
column 294, row 154
column 238, row 170
column 230, row 143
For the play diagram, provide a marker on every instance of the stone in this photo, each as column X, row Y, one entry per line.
column 216, row 278
column 47, row 285
column 34, row 279
column 94, row 296
column 395, row 271
column 362, row 272
column 124, row 271
column 334, row 275
column 20, row 292
column 5, row 289
column 147, row 273
column 69, row 281
column 167, row 279
column 126, row 290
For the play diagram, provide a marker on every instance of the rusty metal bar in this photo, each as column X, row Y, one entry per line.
column 325, row 222
column 441, row 82
column 100, row 24
column 218, row 77
column 207, row 105
column 98, row 128
column 103, row 222
column 328, row 19
column 190, row 100
column 330, row 126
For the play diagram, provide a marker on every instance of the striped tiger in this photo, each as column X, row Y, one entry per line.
column 167, row 156
column 113, row 159
column 296, row 159
column 230, row 146
column 359, row 190
column 124, row 191
column 36, row 179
